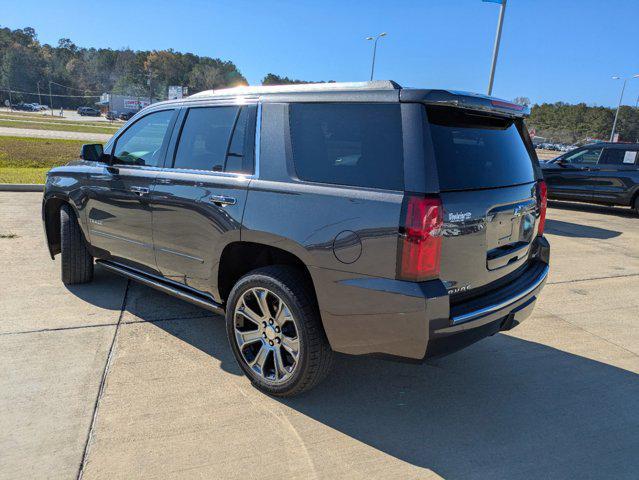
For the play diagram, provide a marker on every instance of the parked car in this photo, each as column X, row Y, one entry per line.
column 89, row 111
column 126, row 115
column 605, row 173
column 360, row 218
column 26, row 107
column 112, row 115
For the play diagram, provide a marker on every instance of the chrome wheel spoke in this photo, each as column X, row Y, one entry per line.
column 260, row 296
column 278, row 362
column 291, row 345
column 249, row 314
column 244, row 338
column 260, row 360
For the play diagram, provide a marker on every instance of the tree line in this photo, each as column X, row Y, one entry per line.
column 565, row 123
column 82, row 74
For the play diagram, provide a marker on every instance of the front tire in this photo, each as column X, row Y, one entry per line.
column 77, row 262
column 636, row 205
column 275, row 331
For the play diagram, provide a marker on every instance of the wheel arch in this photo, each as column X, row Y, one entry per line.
column 239, row 258
column 51, row 220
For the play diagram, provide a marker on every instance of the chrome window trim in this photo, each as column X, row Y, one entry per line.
column 466, row 317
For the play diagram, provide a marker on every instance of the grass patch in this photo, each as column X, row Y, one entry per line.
column 23, row 175
column 58, row 126
column 27, row 160
column 38, row 152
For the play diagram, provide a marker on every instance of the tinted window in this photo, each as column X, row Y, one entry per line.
column 589, row 156
column 205, row 138
column 141, row 143
column 478, row 151
column 348, row 144
column 239, row 158
column 619, row 156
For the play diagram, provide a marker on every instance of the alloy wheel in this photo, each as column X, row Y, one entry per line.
column 266, row 335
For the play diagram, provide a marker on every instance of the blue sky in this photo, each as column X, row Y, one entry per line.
column 552, row 50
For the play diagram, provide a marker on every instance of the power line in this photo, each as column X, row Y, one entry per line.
column 71, row 88
column 54, row 95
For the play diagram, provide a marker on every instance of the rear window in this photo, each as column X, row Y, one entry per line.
column 348, row 144
column 478, row 151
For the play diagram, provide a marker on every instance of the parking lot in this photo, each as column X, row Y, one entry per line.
column 114, row 380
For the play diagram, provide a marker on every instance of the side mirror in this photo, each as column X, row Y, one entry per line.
column 92, row 152
column 562, row 162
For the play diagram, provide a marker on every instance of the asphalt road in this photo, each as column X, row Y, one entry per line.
column 34, row 133
column 113, row 380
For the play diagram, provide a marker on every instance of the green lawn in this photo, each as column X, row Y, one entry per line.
column 26, row 160
column 66, row 127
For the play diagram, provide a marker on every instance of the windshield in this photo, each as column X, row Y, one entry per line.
column 475, row 150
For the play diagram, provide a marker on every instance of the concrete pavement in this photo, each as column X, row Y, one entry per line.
column 114, row 380
column 34, row 133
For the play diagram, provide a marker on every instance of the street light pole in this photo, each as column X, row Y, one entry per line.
column 623, row 88
column 375, row 51
column 500, row 23
column 50, row 99
column 39, row 97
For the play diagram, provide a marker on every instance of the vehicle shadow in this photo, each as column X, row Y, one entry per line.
column 505, row 408
column 575, row 230
column 593, row 208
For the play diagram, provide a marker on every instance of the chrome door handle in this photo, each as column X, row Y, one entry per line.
column 222, row 200
column 139, row 190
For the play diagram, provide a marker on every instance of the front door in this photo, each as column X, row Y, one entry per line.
column 119, row 213
column 199, row 196
column 573, row 178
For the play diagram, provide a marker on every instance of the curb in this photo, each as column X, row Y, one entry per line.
column 21, row 187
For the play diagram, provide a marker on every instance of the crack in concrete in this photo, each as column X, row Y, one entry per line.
column 593, row 278
column 105, row 372
column 100, row 325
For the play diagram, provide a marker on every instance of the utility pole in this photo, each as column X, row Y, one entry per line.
column 623, row 88
column 500, row 23
column 50, row 99
column 375, row 51
column 10, row 99
column 39, row 97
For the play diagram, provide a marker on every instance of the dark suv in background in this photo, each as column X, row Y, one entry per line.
column 360, row 218
column 605, row 173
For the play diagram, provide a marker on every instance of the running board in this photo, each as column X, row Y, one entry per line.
column 173, row 290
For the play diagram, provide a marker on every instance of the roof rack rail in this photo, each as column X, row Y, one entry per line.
column 305, row 87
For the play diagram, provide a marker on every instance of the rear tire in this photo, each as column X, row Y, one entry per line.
column 262, row 345
column 77, row 262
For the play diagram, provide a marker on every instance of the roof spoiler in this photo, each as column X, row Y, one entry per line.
column 467, row 100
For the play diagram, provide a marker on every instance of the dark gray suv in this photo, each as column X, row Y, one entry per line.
column 360, row 218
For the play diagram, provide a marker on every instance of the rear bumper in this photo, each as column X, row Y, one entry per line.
column 415, row 321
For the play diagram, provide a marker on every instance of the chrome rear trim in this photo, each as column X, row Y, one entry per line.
column 466, row 317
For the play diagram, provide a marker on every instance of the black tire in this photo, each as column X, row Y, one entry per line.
column 77, row 262
column 315, row 354
column 636, row 205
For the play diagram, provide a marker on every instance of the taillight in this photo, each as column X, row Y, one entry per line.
column 543, row 200
column 420, row 238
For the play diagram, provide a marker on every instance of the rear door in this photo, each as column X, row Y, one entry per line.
column 487, row 182
column 119, row 213
column 571, row 177
column 615, row 176
column 199, row 196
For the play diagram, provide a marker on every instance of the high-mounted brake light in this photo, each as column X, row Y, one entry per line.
column 420, row 238
column 543, row 200
column 502, row 104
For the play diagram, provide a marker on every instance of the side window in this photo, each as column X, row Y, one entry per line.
column 348, row 144
column 214, row 139
column 588, row 155
column 141, row 143
column 619, row 156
